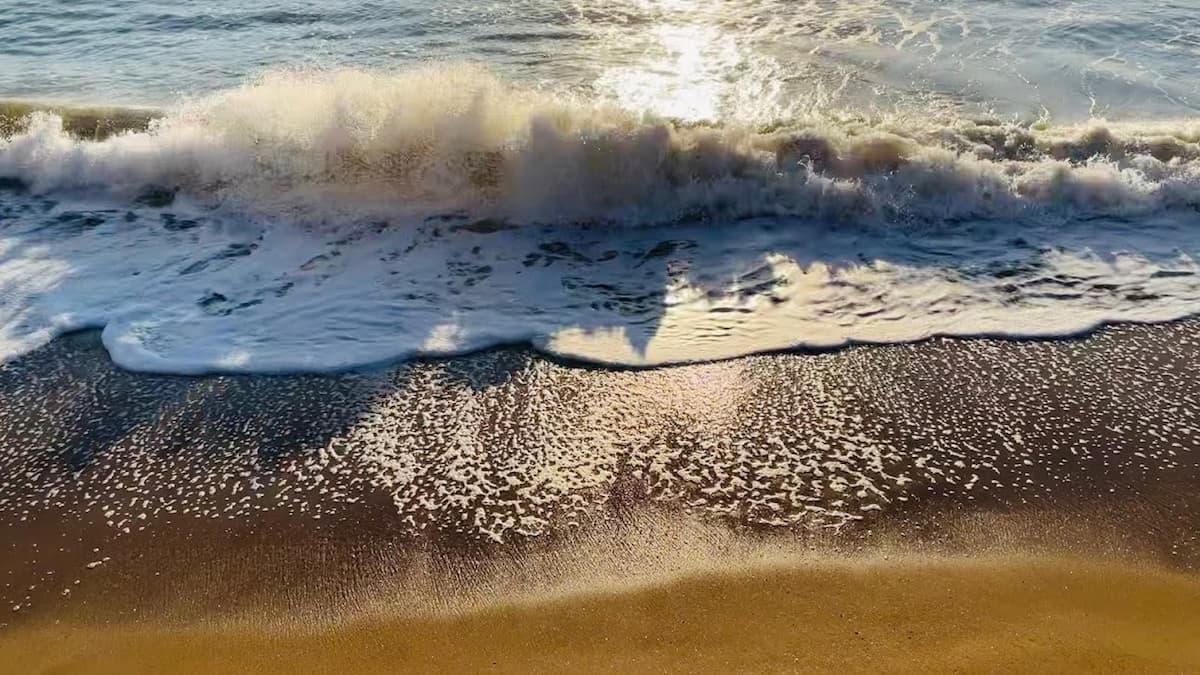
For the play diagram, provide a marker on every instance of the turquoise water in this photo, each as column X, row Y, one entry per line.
column 687, row 58
column 338, row 184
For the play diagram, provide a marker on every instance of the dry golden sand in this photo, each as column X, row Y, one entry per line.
column 1012, row 614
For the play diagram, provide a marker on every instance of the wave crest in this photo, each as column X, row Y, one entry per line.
column 455, row 139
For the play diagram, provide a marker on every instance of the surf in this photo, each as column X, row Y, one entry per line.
column 310, row 221
column 318, row 146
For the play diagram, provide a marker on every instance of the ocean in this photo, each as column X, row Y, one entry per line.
column 323, row 186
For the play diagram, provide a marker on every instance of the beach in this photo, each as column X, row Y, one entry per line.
column 600, row 336
column 951, row 504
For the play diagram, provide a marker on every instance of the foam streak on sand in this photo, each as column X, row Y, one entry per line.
column 439, row 210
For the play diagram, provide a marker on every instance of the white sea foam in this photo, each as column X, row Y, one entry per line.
column 355, row 144
column 331, row 220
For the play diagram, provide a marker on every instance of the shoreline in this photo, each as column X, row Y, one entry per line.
column 586, row 363
column 244, row 517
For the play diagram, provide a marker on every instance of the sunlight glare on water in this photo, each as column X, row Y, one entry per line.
column 335, row 184
column 681, row 58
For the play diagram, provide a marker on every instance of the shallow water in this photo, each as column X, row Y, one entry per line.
column 628, row 183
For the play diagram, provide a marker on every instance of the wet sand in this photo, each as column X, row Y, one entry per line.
column 961, row 504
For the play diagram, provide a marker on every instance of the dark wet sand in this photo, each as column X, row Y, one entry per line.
column 960, row 504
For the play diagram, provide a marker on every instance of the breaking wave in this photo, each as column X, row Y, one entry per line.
column 314, row 221
column 354, row 145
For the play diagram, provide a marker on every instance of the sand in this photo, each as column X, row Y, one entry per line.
column 946, row 506
column 997, row 615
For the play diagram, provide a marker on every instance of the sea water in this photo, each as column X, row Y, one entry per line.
column 326, row 185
